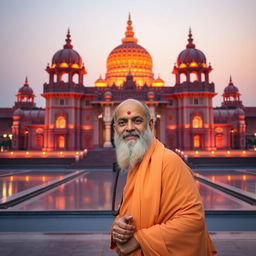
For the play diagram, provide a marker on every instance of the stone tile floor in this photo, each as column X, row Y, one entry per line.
column 49, row 244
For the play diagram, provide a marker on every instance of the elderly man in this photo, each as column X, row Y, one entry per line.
column 161, row 213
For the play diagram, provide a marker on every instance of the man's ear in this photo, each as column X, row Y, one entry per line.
column 151, row 123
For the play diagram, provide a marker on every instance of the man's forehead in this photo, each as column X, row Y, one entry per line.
column 129, row 109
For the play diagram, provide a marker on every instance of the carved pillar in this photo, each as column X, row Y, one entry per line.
column 107, row 122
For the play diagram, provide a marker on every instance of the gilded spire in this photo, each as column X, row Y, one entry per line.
column 190, row 39
column 129, row 34
column 68, row 44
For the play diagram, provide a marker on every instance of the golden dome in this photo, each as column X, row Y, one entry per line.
column 129, row 57
column 159, row 82
column 100, row 82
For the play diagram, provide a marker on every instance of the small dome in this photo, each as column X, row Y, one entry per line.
column 231, row 89
column 191, row 55
column 100, row 82
column 67, row 55
column 159, row 82
column 108, row 96
column 151, row 95
column 240, row 112
column 25, row 89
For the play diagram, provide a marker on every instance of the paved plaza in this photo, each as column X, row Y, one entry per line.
column 50, row 244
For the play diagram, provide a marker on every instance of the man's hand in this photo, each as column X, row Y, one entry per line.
column 127, row 248
column 122, row 231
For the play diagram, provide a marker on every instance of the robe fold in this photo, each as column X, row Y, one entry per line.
column 167, row 210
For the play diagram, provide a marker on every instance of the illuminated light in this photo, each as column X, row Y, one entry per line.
column 197, row 122
column 10, row 136
column 63, row 65
column 182, row 65
column 11, row 178
column 53, row 66
column 27, row 178
column 43, row 178
column 87, row 127
column 244, row 177
column 193, row 64
column 197, row 152
column 171, row 127
column 219, row 129
column 27, row 153
column 75, row 66
column 197, row 141
column 213, row 178
column 26, row 132
column 158, row 116
column 254, row 149
column 11, row 153
column 254, row 134
column 229, row 178
column 5, row 135
column 204, row 65
column 61, row 141
column 43, row 153
column 61, row 153
column 100, row 116
column 206, row 125
column 77, row 153
column 51, row 126
column 187, row 125
column 243, row 152
column 61, row 122
column 228, row 152
column 212, row 152
column 4, row 190
column 71, row 126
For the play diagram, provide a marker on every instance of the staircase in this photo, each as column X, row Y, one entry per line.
column 97, row 158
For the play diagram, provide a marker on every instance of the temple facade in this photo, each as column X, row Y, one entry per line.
column 77, row 117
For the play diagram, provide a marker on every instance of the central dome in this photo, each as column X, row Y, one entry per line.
column 129, row 57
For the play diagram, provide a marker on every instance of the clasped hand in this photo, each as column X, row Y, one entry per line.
column 122, row 234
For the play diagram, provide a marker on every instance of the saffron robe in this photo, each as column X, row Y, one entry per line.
column 167, row 210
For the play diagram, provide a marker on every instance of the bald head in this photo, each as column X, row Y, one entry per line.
column 131, row 102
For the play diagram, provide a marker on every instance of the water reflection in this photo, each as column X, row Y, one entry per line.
column 216, row 200
column 10, row 185
column 92, row 191
column 246, row 182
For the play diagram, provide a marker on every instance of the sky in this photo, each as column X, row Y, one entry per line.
column 33, row 30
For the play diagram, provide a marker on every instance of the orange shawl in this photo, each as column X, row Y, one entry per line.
column 167, row 211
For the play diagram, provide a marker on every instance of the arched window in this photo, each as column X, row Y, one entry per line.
column 197, row 122
column 193, row 77
column 61, row 142
column 183, row 78
column 197, row 141
column 61, row 122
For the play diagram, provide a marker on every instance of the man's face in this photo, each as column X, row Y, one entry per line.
column 131, row 120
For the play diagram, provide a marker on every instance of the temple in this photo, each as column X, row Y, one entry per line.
column 78, row 117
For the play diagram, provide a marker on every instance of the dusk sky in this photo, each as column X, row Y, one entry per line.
column 32, row 31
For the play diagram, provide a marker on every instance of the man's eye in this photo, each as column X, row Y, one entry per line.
column 138, row 121
column 121, row 123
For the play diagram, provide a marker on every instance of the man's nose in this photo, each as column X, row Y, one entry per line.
column 130, row 126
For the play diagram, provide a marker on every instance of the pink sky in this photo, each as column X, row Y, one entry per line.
column 32, row 31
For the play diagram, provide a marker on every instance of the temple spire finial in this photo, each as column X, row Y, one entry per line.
column 190, row 39
column 26, row 81
column 230, row 80
column 129, row 34
column 68, row 44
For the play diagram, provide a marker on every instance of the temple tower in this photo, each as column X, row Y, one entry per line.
column 65, row 100
column 193, row 106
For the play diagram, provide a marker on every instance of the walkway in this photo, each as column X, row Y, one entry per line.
column 49, row 244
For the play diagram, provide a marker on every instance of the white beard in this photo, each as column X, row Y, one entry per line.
column 130, row 154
